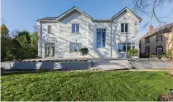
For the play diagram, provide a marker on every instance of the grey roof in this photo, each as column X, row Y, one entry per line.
column 54, row 18
column 109, row 20
column 95, row 20
column 47, row 18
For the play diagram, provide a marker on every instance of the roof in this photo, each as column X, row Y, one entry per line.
column 160, row 30
column 101, row 20
column 127, row 9
column 48, row 18
column 77, row 9
column 66, row 13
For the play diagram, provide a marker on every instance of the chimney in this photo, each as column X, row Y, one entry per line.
column 150, row 28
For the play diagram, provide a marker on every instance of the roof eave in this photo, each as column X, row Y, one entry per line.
column 127, row 9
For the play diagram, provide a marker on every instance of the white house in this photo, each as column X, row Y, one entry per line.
column 63, row 36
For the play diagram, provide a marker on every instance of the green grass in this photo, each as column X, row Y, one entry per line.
column 86, row 86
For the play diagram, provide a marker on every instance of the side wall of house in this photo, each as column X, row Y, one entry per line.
column 119, row 37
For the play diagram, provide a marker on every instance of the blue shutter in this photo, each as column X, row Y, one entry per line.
column 73, row 28
column 126, row 27
column 122, row 27
column 103, row 39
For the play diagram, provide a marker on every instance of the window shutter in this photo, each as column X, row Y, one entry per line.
column 104, row 39
column 126, row 27
column 49, row 29
column 77, row 28
column 122, row 27
column 73, row 28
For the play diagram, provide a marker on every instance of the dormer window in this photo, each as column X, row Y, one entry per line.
column 124, row 27
column 75, row 28
column 159, row 38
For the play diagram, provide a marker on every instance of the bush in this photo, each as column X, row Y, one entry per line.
column 84, row 51
column 167, row 97
column 169, row 55
column 133, row 52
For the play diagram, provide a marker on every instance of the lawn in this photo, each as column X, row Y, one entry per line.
column 85, row 86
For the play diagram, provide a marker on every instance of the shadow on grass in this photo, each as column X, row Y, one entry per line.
column 15, row 72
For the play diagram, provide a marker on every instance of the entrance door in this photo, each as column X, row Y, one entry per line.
column 159, row 51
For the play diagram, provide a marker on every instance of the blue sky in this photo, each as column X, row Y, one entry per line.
column 22, row 14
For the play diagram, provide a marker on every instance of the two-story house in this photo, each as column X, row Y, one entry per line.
column 63, row 36
column 157, row 41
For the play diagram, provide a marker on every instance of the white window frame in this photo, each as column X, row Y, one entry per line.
column 132, row 44
column 75, row 44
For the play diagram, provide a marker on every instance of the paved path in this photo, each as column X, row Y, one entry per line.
column 110, row 65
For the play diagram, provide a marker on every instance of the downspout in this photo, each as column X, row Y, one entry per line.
column 41, row 40
column 111, row 38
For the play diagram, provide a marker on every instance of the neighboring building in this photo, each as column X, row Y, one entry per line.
column 157, row 41
column 62, row 36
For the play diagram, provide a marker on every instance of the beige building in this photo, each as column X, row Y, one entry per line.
column 157, row 41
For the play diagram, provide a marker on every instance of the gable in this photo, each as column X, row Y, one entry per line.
column 125, row 17
column 126, row 10
column 71, row 11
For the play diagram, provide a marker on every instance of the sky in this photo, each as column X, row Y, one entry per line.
column 22, row 14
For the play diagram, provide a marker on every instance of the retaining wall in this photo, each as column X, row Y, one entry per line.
column 47, row 65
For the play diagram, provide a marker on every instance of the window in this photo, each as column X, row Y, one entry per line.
column 147, row 40
column 49, row 49
column 49, row 29
column 159, row 38
column 75, row 28
column 123, row 46
column 101, row 38
column 124, row 27
column 75, row 47
column 147, row 49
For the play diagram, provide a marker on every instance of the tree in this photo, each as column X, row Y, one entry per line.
column 34, row 44
column 148, row 8
column 4, row 31
column 133, row 52
column 84, row 51
column 5, row 43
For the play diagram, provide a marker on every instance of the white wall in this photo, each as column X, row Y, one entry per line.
column 118, row 36
column 62, row 36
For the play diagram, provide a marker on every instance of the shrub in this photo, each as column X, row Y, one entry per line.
column 84, row 51
column 169, row 55
column 166, row 97
column 133, row 52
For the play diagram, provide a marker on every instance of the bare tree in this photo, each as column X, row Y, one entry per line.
column 148, row 8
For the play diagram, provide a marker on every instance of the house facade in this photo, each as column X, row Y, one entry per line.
column 63, row 36
column 157, row 41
